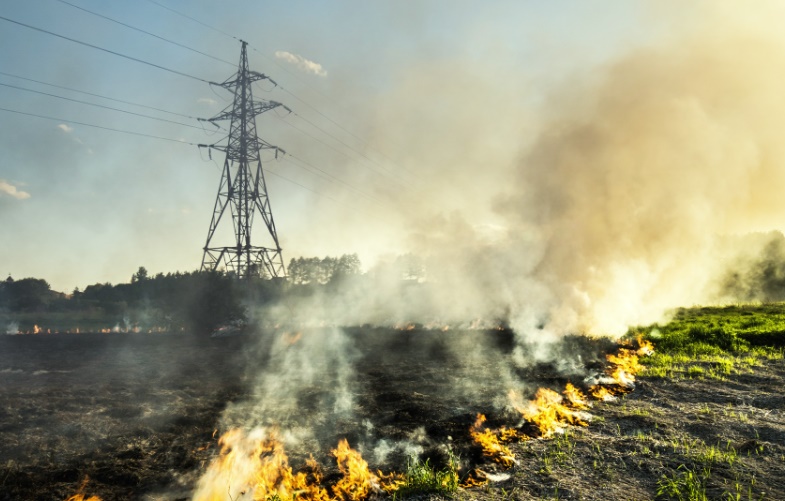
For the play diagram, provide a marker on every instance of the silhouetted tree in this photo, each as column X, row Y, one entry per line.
column 27, row 294
column 140, row 275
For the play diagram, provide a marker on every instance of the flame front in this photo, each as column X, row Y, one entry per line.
column 602, row 393
column 551, row 412
column 257, row 467
column 358, row 481
column 547, row 412
column 575, row 397
column 624, row 365
column 491, row 441
column 80, row 496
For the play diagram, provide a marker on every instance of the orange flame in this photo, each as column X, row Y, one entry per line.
column 491, row 442
column 575, row 397
column 259, row 466
column 475, row 478
column 644, row 347
column 358, row 481
column 602, row 393
column 79, row 496
column 624, row 365
column 289, row 338
column 547, row 412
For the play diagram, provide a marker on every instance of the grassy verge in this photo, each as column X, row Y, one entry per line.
column 715, row 342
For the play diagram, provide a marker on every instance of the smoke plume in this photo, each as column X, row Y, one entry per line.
column 623, row 205
column 617, row 210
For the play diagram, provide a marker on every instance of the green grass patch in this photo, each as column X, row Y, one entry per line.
column 684, row 484
column 422, row 478
column 715, row 342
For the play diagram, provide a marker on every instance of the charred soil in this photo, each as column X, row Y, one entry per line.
column 139, row 415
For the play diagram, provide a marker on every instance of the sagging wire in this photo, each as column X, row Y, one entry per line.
column 211, row 84
column 218, row 127
column 288, row 110
column 260, row 87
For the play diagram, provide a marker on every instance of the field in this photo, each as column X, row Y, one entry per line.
column 137, row 416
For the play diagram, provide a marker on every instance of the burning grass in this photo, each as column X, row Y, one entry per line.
column 255, row 466
column 550, row 413
column 259, row 467
column 81, row 496
column 492, row 441
column 537, row 448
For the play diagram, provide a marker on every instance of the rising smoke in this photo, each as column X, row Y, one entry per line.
column 617, row 211
column 622, row 207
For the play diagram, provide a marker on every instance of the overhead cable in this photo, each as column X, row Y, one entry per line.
column 193, row 19
column 355, row 136
column 98, row 95
column 147, row 33
column 289, row 157
column 269, row 171
column 65, row 120
column 99, row 105
column 176, row 72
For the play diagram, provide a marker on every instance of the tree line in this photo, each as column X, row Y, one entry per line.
column 197, row 301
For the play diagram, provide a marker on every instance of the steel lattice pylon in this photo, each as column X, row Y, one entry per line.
column 243, row 188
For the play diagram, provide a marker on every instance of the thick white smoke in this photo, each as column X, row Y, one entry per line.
column 612, row 214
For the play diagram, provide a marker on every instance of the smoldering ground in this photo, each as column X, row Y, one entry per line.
column 396, row 395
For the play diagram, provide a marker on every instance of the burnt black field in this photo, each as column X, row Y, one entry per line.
column 140, row 414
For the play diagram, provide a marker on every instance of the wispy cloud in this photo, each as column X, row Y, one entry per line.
column 207, row 100
column 68, row 130
column 302, row 63
column 9, row 189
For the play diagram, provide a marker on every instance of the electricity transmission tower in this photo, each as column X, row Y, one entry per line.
column 243, row 189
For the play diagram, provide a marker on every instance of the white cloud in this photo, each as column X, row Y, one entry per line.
column 207, row 100
column 302, row 63
column 9, row 189
column 68, row 130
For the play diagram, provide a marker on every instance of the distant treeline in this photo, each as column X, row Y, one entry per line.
column 196, row 301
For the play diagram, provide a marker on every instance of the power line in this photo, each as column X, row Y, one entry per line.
column 98, row 95
column 324, row 142
column 45, row 117
column 306, row 103
column 356, row 137
column 307, row 188
column 147, row 33
column 56, row 119
column 122, row 131
column 194, row 20
column 347, row 131
column 343, row 143
column 289, row 157
column 176, row 72
column 98, row 105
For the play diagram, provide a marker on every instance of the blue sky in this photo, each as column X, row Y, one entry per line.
column 429, row 90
